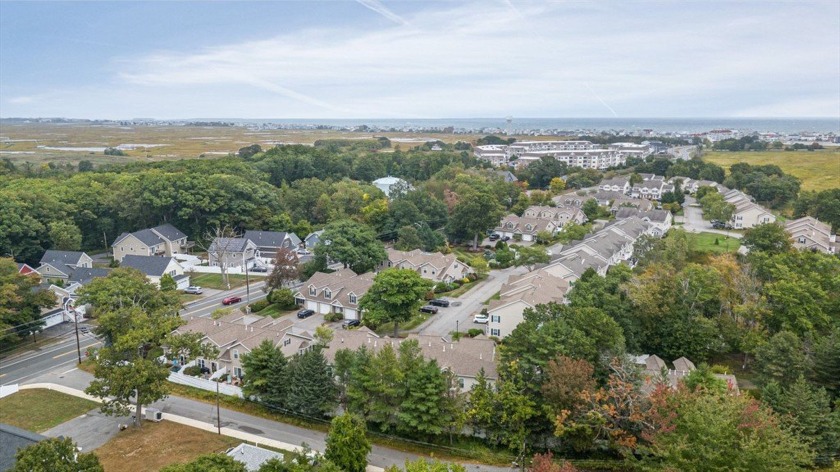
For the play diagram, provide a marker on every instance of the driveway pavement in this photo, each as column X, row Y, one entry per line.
column 459, row 314
column 693, row 220
column 90, row 430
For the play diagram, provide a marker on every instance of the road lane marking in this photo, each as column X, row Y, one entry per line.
column 62, row 355
column 68, row 371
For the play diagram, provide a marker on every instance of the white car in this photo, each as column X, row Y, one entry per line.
column 481, row 319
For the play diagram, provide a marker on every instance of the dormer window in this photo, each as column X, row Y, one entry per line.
column 313, row 291
column 353, row 298
column 327, row 293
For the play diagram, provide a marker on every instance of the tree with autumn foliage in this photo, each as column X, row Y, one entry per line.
column 545, row 463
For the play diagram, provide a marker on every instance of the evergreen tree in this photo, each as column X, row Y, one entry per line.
column 347, row 444
column 425, row 404
column 266, row 372
column 311, row 389
column 826, row 372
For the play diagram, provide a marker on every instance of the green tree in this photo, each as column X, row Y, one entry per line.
column 208, row 463
column 422, row 465
column 347, row 443
column 781, row 359
column 720, row 432
column 55, row 455
column 394, row 297
column 128, row 370
column 770, row 237
column 826, row 371
column 591, row 209
column 353, row 244
column 716, row 208
column 266, row 371
column 311, row 390
column 318, row 263
column 65, row 236
column 557, row 185
column 475, row 212
column 167, row 283
column 20, row 302
column 530, row 256
column 426, row 408
column 375, row 388
column 408, row 238
column 807, row 410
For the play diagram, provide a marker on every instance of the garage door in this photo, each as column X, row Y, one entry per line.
column 350, row 314
column 324, row 308
column 312, row 305
column 527, row 237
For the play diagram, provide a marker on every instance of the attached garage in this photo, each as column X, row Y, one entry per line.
column 351, row 314
column 312, row 305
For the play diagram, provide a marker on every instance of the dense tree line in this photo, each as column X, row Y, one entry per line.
column 766, row 183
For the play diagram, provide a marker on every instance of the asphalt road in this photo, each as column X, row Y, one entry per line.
column 59, row 355
column 460, row 313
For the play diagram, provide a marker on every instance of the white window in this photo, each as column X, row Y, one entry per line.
column 236, row 354
column 327, row 293
column 495, row 332
column 353, row 298
column 237, row 372
column 802, row 239
column 313, row 291
column 460, row 382
column 496, row 318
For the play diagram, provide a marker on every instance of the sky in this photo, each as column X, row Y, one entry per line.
column 419, row 59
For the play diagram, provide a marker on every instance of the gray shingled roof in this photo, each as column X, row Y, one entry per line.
column 228, row 244
column 12, row 439
column 84, row 275
column 253, row 457
column 169, row 232
column 61, row 257
column 271, row 238
column 149, row 265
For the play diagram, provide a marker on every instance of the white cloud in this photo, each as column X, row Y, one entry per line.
column 495, row 59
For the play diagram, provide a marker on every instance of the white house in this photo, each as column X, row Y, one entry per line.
column 337, row 292
column 433, row 266
column 812, row 234
column 522, row 292
column 391, row 184
column 155, row 267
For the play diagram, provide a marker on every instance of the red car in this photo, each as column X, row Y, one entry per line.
column 231, row 300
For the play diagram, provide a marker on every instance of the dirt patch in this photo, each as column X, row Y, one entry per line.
column 157, row 445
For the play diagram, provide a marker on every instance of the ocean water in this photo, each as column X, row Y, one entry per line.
column 661, row 125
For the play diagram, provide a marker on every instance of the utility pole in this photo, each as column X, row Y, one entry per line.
column 78, row 346
column 457, row 332
column 218, row 411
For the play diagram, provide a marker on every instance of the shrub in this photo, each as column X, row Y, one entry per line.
column 429, row 295
column 720, row 369
column 473, row 277
column 220, row 313
column 473, row 332
column 259, row 305
column 333, row 317
column 193, row 370
column 283, row 298
column 465, row 280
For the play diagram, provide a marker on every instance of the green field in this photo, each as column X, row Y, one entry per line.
column 705, row 242
column 818, row 170
column 39, row 410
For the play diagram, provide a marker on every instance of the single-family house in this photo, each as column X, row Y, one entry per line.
column 576, row 198
column 812, row 234
column 13, row 439
column 520, row 292
column 337, row 292
column 629, row 202
column 253, row 457
column 59, row 264
column 26, row 269
column 313, row 239
column 232, row 252
column 164, row 240
column 433, row 266
column 155, row 267
column 268, row 242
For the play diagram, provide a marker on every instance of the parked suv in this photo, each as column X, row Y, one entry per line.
column 305, row 313
column 493, row 237
column 194, row 290
column 429, row 309
column 439, row 302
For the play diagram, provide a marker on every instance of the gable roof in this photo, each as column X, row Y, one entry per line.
column 149, row 265
column 53, row 257
column 12, row 439
column 229, row 244
column 271, row 238
column 252, row 456
column 169, row 232
column 83, row 275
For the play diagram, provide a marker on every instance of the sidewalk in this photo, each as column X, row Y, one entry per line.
column 242, row 435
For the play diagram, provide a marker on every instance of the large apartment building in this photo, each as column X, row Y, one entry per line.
column 574, row 153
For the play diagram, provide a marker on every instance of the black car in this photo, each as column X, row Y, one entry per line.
column 505, row 238
column 259, row 269
column 305, row 313
column 429, row 309
column 719, row 225
column 351, row 324
column 439, row 302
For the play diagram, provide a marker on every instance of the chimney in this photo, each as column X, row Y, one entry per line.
column 444, row 348
column 342, row 340
column 480, row 356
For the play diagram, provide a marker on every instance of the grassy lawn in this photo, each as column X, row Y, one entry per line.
column 188, row 297
column 495, row 296
column 214, row 281
column 275, row 311
column 818, row 170
column 462, row 289
column 157, row 445
column 705, row 242
column 39, row 410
